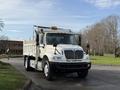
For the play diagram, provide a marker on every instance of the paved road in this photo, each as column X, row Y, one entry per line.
column 99, row 78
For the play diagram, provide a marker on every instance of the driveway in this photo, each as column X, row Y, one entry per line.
column 99, row 78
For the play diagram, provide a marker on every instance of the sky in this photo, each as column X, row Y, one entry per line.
column 19, row 16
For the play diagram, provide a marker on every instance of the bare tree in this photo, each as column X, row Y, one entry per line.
column 3, row 37
column 111, row 25
column 103, row 36
column 1, row 25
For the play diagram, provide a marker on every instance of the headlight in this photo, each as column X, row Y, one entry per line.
column 87, row 57
column 57, row 58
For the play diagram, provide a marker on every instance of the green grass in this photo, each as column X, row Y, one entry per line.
column 105, row 60
column 10, row 79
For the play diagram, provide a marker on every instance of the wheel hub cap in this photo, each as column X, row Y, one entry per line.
column 46, row 70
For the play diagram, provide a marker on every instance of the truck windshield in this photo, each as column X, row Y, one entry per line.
column 60, row 38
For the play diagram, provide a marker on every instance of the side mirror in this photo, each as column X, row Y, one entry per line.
column 79, row 40
column 55, row 45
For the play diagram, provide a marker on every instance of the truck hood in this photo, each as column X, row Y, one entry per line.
column 68, row 47
column 62, row 47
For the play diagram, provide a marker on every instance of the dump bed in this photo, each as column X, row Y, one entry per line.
column 29, row 48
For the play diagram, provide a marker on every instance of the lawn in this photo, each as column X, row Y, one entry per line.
column 10, row 78
column 105, row 60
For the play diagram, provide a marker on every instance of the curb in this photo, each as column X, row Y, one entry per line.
column 27, row 85
column 106, row 65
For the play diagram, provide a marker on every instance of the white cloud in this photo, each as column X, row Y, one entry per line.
column 104, row 3
column 32, row 12
column 15, row 31
column 12, row 10
column 80, row 16
column 8, row 4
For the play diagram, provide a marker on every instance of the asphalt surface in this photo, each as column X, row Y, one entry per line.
column 99, row 78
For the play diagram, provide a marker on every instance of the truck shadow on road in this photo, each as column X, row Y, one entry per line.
column 93, row 75
column 96, row 79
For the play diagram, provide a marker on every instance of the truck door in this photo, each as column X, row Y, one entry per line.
column 42, row 45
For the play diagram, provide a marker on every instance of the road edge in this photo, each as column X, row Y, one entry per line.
column 107, row 65
column 27, row 85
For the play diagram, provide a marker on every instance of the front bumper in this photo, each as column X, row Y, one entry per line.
column 70, row 67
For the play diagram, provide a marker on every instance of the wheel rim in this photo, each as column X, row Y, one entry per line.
column 46, row 70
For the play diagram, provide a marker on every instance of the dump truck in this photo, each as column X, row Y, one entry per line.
column 55, row 50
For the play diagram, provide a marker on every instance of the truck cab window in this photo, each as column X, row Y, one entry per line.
column 60, row 38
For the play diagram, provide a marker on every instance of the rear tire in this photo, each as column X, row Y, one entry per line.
column 48, row 71
column 27, row 64
column 82, row 74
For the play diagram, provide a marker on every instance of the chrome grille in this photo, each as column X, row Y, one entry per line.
column 74, row 54
column 78, row 54
column 69, row 54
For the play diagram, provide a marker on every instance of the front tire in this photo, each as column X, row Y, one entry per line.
column 48, row 71
column 83, row 74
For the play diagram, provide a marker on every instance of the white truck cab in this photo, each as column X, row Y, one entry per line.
column 55, row 50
